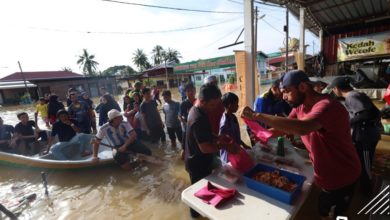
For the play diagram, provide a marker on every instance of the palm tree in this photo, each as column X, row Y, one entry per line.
column 172, row 55
column 87, row 63
column 140, row 60
column 67, row 69
column 157, row 54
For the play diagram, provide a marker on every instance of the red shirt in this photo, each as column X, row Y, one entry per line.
column 335, row 160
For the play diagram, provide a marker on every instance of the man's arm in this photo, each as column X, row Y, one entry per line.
column 132, row 137
column 285, row 125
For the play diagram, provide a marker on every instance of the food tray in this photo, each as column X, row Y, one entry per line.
column 273, row 192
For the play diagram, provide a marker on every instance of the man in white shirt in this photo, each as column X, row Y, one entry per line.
column 122, row 137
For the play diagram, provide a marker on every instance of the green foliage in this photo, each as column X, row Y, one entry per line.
column 122, row 70
column 141, row 60
column 68, row 69
column 158, row 55
column 87, row 63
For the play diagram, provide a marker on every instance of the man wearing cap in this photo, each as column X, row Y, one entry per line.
column 122, row 137
column 69, row 136
column 271, row 103
column 335, row 161
column 365, row 121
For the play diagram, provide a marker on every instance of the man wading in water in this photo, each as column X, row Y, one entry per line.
column 122, row 138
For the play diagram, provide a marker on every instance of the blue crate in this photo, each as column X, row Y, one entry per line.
column 273, row 192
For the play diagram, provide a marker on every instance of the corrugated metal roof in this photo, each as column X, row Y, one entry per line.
column 16, row 85
column 42, row 75
column 334, row 15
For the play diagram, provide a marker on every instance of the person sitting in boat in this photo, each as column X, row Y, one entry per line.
column 79, row 110
column 28, row 135
column 122, row 138
column 68, row 135
column 6, row 140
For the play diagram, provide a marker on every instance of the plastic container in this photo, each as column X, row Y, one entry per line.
column 273, row 192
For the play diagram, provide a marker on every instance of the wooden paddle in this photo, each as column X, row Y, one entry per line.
column 142, row 157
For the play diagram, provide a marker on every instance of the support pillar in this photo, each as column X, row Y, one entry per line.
column 250, row 53
column 301, row 61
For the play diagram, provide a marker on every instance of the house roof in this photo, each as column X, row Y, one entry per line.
column 16, row 85
column 335, row 16
column 42, row 75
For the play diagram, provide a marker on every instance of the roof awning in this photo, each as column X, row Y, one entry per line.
column 334, row 16
column 16, row 85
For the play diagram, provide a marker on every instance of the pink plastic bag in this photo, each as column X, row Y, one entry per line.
column 261, row 133
column 241, row 161
column 386, row 97
column 213, row 195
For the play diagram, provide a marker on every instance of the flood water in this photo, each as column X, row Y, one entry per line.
column 149, row 192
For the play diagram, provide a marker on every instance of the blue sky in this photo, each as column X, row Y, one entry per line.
column 48, row 35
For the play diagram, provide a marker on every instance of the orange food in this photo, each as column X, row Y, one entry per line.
column 275, row 179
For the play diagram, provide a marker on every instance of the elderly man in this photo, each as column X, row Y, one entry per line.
column 323, row 124
column 122, row 138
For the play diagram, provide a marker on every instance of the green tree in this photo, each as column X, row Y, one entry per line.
column 122, row 70
column 158, row 55
column 141, row 60
column 87, row 63
column 172, row 55
column 68, row 69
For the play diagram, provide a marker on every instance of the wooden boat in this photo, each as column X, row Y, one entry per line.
column 46, row 161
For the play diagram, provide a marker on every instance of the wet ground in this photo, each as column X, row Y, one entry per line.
column 149, row 192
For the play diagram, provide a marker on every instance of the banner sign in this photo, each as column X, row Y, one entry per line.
column 214, row 63
column 366, row 46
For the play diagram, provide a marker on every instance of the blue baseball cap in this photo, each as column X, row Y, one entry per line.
column 293, row 78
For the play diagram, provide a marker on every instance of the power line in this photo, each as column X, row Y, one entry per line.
column 173, row 8
column 136, row 33
column 270, row 25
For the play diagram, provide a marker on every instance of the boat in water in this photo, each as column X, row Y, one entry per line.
column 47, row 161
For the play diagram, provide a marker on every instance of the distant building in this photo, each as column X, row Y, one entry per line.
column 222, row 67
column 58, row 82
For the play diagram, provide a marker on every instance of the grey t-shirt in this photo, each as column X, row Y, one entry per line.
column 171, row 111
column 356, row 103
column 152, row 117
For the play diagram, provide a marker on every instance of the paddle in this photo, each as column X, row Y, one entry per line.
column 142, row 157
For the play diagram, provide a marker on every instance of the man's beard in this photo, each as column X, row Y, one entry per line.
column 300, row 100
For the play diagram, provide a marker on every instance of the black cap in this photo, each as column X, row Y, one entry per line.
column 293, row 78
column 341, row 82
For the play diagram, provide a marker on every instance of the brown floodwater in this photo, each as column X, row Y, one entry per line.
column 148, row 192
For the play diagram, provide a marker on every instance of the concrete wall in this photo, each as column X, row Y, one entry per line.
column 90, row 85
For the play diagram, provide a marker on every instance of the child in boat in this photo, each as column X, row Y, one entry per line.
column 229, row 126
column 42, row 109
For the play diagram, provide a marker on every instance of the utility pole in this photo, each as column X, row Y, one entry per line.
column 286, row 30
column 250, row 53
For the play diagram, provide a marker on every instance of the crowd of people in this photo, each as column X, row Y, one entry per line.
column 206, row 128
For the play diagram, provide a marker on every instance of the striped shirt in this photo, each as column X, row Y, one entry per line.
column 115, row 136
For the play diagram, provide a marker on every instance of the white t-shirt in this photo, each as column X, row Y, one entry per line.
column 116, row 136
column 138, row 117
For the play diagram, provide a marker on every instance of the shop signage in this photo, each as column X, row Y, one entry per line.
column 215, row 63
column 366, row 46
